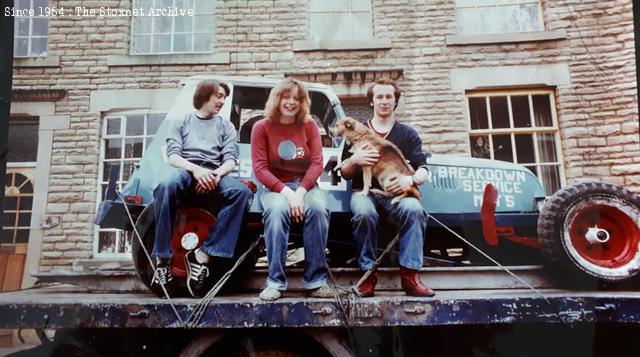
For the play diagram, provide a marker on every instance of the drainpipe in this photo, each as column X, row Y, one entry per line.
column 6, row 75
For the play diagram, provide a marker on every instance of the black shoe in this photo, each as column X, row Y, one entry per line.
column 162, row 276
column 197, row 273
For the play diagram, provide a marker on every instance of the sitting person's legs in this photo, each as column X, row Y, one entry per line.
column 364, row 225
column 365, row 229
column 173, row 184
column 315, row 233
column 411, row 219
column 277, row 221
column 223, row 236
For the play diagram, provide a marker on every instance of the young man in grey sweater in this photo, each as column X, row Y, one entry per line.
column 202, row 150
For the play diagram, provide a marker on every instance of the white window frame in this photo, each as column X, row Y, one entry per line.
column 30, row 36
column 25, row 170
column 487, row 4
column 189, row 4
column 512, row 130
column 120, row 182
column 350, row 37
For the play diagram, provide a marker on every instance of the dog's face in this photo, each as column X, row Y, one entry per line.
column 350, row 129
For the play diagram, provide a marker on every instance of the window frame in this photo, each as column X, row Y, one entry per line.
column 120, row 183
column 30, row 36
column 351, row 35
column 495, row 4
column 152, row 35
column 512, row 130
column 12, row 173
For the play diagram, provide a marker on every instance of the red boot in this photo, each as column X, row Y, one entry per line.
column 411, row 283
column 367, row 288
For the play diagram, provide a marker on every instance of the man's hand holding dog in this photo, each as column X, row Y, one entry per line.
column 365, row 156
column 399, row 184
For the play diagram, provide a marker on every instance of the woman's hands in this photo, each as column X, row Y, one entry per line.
column 296, row 203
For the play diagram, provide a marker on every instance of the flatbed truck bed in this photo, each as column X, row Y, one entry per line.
column 471, row 295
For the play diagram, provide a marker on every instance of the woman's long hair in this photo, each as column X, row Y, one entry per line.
column 272, row 108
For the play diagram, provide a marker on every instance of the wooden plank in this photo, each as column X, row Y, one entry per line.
column 21, row 248
column 15, row 269
column 4, row 260
column 441, row 278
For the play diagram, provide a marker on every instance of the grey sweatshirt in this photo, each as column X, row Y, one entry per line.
column 212, row 139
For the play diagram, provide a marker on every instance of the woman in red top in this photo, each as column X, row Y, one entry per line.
column 286, row 151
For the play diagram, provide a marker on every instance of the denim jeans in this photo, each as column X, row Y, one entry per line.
column 223, row 236
column 276, row 217
column 408, row 214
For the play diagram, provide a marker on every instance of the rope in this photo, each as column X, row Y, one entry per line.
column 195, row 317
column 151, row 263
column 353, row 294
column 491, row 259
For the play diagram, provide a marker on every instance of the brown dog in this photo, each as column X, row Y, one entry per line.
column 391, row 163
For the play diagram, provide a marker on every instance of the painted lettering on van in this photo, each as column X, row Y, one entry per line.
column 473, row 180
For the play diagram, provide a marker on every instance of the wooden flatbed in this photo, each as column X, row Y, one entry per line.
column 464, row 296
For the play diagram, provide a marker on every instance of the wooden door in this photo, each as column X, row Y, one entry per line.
column 16, row 220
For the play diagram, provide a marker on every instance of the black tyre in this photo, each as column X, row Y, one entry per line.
column 188, row 220
column 592, row 229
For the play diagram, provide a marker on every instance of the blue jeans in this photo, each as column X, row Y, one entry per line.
column 223, row 236
column 408, row 214
column 276, row 217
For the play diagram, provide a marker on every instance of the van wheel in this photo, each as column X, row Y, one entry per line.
column 190, row 230
column 593, row 229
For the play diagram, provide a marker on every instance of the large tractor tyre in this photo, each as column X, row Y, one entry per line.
column 592, row 230
column 190, row 230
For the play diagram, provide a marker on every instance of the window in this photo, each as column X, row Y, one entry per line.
column 23, row 139
column 16, row 215
column 248, row 107
column 518, row 127
column 31, row 31
column 476, row 17
column 358, row 108
column 188, row 30
column 125, row 137
column 340, row 20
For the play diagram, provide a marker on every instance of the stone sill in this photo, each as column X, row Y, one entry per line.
column 320, row 45
column 142, row 60
column 49, row 61
column 459, row 40
column 87, row 265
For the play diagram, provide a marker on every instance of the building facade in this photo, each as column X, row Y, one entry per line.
column 548, row 84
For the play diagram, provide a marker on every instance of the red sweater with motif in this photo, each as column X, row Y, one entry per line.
column 285, row 152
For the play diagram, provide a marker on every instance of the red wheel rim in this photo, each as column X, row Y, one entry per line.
column 623, row 242
column 194, row 220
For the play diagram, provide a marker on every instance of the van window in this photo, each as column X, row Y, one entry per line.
column 248, row 107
